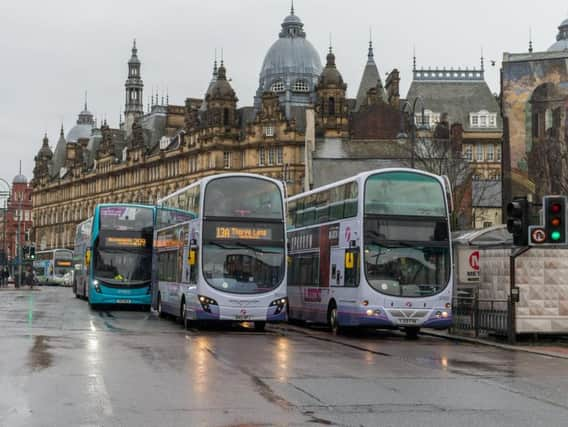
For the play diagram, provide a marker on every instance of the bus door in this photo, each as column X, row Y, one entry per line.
column 337, row 267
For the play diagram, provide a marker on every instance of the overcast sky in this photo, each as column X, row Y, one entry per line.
column 51, row 52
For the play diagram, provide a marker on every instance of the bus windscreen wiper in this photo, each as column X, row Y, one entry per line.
column 255, row 249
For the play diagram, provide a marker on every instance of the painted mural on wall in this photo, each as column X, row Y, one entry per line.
column 535, row 111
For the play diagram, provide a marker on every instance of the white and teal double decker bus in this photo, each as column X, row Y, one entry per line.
column 220, row 251
column 51, row 265
column 373, row 251
column 113, row 255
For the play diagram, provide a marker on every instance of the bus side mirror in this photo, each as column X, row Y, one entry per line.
column 192, row 256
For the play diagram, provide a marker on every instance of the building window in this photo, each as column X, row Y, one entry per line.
column 269, row 131
column 479, row 153
column 261, row 154
column 468, row 153
column 270, row 156
column 279, row 156
column 490, row 153
column 211, row 161
column 331, row 106
column 277, row 86
column 483, row 119
column 227, row 160
column 300, row 86
column 474, row 121
column 498, row 153
column 493, row 120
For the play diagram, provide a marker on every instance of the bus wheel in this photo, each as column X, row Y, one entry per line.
column 412, row 333
column 332, row 319
column 259, row 326
column 160, row 310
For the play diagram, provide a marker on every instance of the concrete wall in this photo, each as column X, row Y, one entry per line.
column 542, row 278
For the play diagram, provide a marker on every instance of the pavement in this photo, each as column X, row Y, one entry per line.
column 63, row 364
column 560, row 351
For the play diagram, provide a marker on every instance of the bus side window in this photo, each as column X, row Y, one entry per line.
column 351, row 268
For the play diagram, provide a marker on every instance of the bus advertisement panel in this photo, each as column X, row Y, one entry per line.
column 372, row 251
column 51, row 266
column 116, row 255
column 224, row 258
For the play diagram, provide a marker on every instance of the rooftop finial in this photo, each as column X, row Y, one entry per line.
column 20, row 167
column 414, row 58
column 530, row 40
column 222, row 57
column 215, row 64
column 61, row 131
column 292, row 7
column 85, row 100
column 370, row 54
column 482, row 60
column 330, row 44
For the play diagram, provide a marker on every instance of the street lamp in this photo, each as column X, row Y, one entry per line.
column 402, row 135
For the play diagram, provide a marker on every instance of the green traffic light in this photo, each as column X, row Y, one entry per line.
column 555, row 235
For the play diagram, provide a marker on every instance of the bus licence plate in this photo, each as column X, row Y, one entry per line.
column 407, row 321
column 123, row 301
column 242, row 317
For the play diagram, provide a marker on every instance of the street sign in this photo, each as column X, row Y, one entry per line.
column 468, row 265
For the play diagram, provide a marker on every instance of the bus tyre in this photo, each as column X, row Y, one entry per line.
column 412, row 333
column 160, row 309
column 332, row 318
column 259, row 326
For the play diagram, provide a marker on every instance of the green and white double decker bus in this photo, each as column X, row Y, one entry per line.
column 374, row 251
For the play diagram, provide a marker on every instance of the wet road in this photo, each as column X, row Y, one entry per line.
column 62, row 364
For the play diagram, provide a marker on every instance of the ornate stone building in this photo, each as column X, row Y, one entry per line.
column 300, row 127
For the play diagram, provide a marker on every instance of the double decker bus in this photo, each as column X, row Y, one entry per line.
column 373, row 251
column 220, row 249
column 51, row 265
column 113, row 255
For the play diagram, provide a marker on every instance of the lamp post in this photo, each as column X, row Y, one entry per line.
column 410, row 109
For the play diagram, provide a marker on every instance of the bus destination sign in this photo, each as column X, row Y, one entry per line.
column 127, row 242
column 243, row 233
column 62, row 263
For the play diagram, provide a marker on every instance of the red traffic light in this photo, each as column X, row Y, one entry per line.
column 555, row 208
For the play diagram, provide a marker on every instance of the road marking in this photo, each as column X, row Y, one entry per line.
column 98, row 389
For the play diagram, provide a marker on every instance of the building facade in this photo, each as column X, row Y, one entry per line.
column 534, row 92
column 300, row 127
column 16, row 226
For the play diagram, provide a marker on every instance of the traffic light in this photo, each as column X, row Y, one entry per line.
column 518, row 220
column 25, row 251
column 555, row 219
column 32, row 252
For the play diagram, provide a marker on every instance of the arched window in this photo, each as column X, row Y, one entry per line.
column 331, row 106
column 301, row 86
column 225, row 116
column 277, row 86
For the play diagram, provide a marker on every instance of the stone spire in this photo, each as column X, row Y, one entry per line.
column 134, row 86
column 371, row 79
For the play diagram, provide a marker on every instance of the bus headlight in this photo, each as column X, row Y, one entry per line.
column 206, row 302
column 445, row 314
column 279, row 303
column 97, row 286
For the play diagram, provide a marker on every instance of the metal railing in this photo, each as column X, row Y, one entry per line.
column 482, row 316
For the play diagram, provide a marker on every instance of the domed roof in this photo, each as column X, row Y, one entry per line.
column 561, row 39
column 45, row 151
column 330, row 75
column 83, row 128
column 20, row 179
column 221, row 88
column 291, row 57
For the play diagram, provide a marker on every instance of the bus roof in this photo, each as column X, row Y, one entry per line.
column 360, row 176
column 206, row 179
